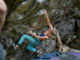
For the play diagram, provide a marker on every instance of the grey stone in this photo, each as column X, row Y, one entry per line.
column 47, row 46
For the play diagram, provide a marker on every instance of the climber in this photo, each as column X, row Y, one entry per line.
column 3, row 11
column 35, row 40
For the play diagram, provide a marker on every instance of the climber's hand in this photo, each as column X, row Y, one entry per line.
column 30, row 32
column 44, row 12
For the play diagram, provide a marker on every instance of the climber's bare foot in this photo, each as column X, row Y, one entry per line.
column 39, row 52
column 17, row 46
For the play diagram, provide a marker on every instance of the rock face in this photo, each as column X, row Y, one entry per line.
column 11, row 4
column 66, row 28
column 47, row 46
column 25, row 15
column 28, row 14
column 76, row 42
column 77, row 4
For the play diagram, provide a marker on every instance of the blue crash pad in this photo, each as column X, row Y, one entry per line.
column 47, row 56
column 59, row 56
column 67, row 56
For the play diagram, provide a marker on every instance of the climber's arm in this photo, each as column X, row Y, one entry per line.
column 48, row 21
column 43, row 37
column 39, row 37
column 58, row 38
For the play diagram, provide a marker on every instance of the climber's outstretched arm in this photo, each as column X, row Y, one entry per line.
column 48, row 21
